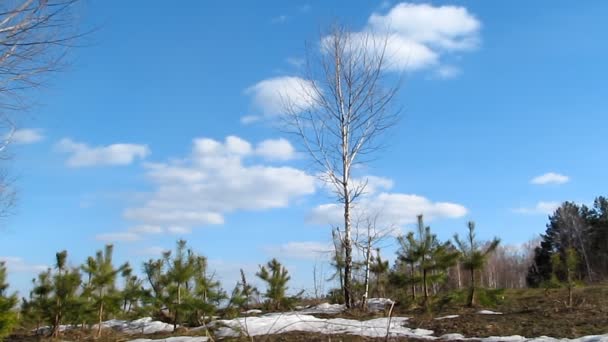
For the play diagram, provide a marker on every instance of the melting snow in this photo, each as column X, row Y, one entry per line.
column 175, row 339
column 140, row 326
column 447, row 317
column 280, row 323
column 488, row 312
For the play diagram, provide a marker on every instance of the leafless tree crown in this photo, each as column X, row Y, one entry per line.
column 347, row 105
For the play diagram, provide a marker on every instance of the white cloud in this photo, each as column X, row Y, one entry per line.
column 219, row 177
column 300, row 250
column 439, row 27
column 448, row 71
column 400, row 53
column 273, row 95
column 392, row 209
column 546, row 208
column 146, row 229
column 26, row 136
column 419, row 34
column 116, row 154
column 550, row 178
column 276, row 149
column 249, row 119
column 412, row 36
column 118, row 237
column 296, row 62
column 17, row 264
column 179, row 230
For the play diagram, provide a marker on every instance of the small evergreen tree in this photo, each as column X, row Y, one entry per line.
column 276, row 277
column 180, row 271
column 103, row 284
column 206, row 293
column 431, row 256
column 158, row 282
column 379, row 268
column 473, row 257
column 567, row 267
column 64, row 299
column 133, row 292
column 8, row 316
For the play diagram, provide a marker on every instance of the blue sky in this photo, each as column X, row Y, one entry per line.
column 139, row 142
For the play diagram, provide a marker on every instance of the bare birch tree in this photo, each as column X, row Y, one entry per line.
column 348, row 108
column 368, row 236
column 34, row 38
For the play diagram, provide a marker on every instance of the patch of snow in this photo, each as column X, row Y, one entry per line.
column 323, row 308
column 139, row 326
column 488, row 312
column 378, row 304
column 277, row 323
column 175, row 339
column 253, row 312
column 447, row 317
column 452, row 337
column 513, row 338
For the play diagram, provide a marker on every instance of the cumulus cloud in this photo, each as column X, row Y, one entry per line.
column 273, row 95
column 217, row 178
column 81, row 154
column 541, row 207
column 417, row 35
column 550, row 178
column 439, row 27
column 412, row 37
column 26, row 136
column 391, row 209
column 300, row 250
column 276, row 149
column 17, row 264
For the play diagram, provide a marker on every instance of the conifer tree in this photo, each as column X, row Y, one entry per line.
column 276, row 277
column 430, row 256
column 180, row 271
column 8, row 317
column 37, row 307
column 157, row 280
column 64, row 299
column 103, row 284
column 379, row 268
column 567, row 266
column 243, row 294
column 206, row 293
column 473, row 256
column 133, row 291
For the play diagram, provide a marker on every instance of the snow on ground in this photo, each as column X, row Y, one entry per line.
column 378, row 304
column 447, row 317
column 280, row 323
column 373, row 304
column 140, row 326
column 175, row 339
column 324, row 308
column 488, row 312
column 252, row 312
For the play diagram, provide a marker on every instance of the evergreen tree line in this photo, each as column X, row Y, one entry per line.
column 177, row 288
column 425, row 266
column 574, row 246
